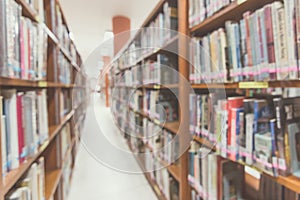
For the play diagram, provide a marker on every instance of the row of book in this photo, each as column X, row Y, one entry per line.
column 199, row 10
column 67, row 173
column 161, row 105
column 212, row 176
column 63, row 34
column 23, row 46
column 160, row 175
column 261, row 46
column 24, row 125
column 161, row 29
column 66, row 139
column 65, row 102
column 131, row 77
column 162, row 71
column 65, row 69
column 163, row 143
column 32, row 186
column 157, row 33
column 79, row 96
column 261, row 130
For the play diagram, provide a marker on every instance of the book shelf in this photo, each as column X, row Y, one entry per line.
column 233, row 11
column 64, row 84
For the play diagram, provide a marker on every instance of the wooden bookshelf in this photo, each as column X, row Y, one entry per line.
column 57, row 121
column 27, row 10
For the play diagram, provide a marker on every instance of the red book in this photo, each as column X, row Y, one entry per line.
column 232, row 102
column 269, row 33
column 20, row 127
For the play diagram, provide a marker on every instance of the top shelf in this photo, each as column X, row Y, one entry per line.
column 233, row 11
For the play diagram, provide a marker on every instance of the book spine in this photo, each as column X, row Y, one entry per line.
column 3, row 41
column 274, row 149
column 280, row 138
column 270, row 37
column 289, row 6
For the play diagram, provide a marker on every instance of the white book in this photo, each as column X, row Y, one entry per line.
column 212, row 177
column 41, row 179
column 10, row 100
column 289, row 6
column 249, row 137
column 33, row 177
column 3, row 146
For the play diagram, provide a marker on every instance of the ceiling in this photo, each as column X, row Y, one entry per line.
column 88, row 20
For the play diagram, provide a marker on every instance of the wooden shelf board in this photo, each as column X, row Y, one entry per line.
column 290, row 182
column 14, row 82
column 249, row 85
column 65, row 52
column 215, row 86
column 233, row 11
column 158, row 87
column 51, row 35
column 173, row 127
column 174, row 170
column 205, row 143
column 27, row 10
column 52, row 179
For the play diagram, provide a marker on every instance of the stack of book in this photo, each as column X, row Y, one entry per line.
column 23, row 45
column 261, row 130
column 32, row 186
column 260, row 47
column 24, row 125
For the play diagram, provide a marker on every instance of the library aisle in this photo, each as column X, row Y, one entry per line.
column 92, row 180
